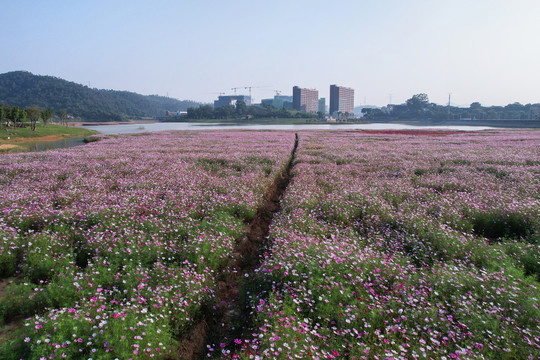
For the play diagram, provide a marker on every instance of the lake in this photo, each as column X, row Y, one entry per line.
column 159, row 126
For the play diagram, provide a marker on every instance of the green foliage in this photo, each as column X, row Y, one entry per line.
column 51, row 129
column 46, row 115
column 418, row 103
column 34, row 114
column 420, row 172
column 242, row 112
column 418, row 107
column 24, row 89
column 20, row 300
column 63, row 115
column 500, row 225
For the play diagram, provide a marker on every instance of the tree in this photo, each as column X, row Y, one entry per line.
column 417, row 106
column 46, row 115
column 3, row 116
column 14, row 115
column 62, row 114
column 33, row 114
column 241, row 108
column 224, row 112
column 418, row 102
column 23, row 116
column 477, row 112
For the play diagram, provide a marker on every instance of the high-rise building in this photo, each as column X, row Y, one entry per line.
column 341, row 100
column 306, row 100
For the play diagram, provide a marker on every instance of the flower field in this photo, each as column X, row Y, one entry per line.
column 111, row 250
column 386, row 245
column 403, row 246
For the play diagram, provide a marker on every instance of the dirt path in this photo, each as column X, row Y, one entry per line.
column 224, row 323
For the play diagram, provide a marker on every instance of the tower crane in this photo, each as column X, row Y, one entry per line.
column 248, row 88
column 236, row 88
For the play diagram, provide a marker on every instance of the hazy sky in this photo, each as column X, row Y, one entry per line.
column 478, row 50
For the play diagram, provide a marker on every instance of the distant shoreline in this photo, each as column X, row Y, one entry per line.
column 95, row 123
column 507, row 124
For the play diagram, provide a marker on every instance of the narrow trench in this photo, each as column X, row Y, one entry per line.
column 224, row 323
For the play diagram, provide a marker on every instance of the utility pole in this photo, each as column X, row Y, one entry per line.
column 449, row 99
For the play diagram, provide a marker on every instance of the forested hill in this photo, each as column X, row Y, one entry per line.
column 24, row 89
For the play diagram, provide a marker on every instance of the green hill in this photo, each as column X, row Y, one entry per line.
column 24, row 89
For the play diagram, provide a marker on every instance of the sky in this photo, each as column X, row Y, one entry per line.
column 387, row 50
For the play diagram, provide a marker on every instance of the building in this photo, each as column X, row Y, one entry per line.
column 176, row 113
column 279, row 102
column 225, row 100
column 341, row 100
column 322, row 105
column 306, row 100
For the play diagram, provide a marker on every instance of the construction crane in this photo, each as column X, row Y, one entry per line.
column 254, row 87
column 278, row 93
column 248, row 88
column 236, row 88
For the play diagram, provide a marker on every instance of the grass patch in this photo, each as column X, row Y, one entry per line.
column 496, row 226
column 14, row 140
column 51, row 129
column 499, row 174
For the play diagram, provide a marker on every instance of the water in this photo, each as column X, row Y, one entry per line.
column 57, row 144
column 158, row 126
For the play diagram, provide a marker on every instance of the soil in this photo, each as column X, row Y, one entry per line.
column 225, row 322
column 38, row 138
column 7, row 147
column 3, row 286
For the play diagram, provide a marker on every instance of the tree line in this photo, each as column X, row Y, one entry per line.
column 13, row 116
column 241, row 111
column 419, row 107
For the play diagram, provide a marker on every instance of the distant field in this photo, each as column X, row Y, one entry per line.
column 381, row 244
